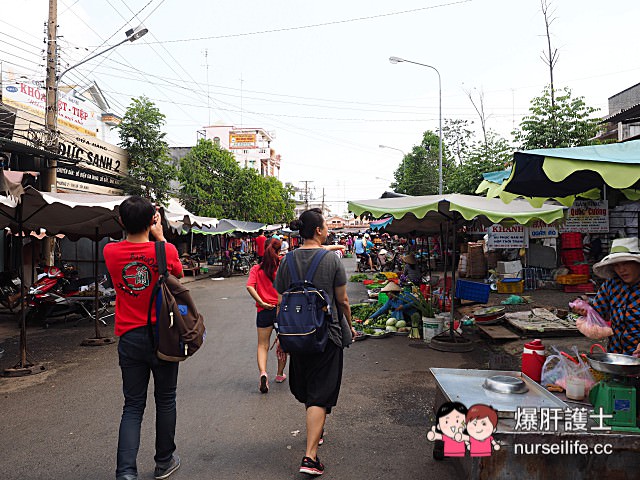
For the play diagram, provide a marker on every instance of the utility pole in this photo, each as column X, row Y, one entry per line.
column 306, row 193
column 323, row 201
column 51, row 112
column 50, row 177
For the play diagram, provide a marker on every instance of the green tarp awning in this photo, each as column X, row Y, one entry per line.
column 426, row 213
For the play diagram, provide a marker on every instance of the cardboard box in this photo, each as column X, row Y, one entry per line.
column 510, row 267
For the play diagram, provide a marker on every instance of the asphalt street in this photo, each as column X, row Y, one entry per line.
column 63, row 424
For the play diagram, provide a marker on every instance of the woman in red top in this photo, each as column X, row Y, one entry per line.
column 260, row 287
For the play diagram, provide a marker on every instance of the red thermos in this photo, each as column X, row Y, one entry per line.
column 533, row 358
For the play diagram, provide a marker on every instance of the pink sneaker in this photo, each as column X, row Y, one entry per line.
column 281, row 378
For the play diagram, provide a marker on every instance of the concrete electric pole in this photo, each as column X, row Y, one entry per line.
column 51, row 113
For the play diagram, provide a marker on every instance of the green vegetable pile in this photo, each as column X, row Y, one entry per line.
column 358, row 277
column 363, row 311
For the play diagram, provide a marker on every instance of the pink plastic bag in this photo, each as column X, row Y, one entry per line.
column 592, row 325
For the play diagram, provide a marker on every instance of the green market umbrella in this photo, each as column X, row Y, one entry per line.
column 426, row 213
column 565, row 172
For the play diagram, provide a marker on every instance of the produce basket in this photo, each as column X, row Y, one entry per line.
column 572, row 279
column 474, row 291
column 581, row 288
column 569, row 257
column 571, row 240
column 511, row 285
column 579, row 269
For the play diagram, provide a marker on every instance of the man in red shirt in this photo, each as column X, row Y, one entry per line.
column 133, row 269
column 260, row 239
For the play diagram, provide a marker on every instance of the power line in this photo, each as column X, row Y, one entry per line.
column 316, row 25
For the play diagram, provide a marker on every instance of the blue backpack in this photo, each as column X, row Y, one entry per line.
column 305, row 311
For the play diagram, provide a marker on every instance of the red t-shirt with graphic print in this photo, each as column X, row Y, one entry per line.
column 134, row 272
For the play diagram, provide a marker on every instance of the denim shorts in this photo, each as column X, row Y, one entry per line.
column 266, row 318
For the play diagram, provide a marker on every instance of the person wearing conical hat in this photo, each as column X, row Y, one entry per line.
column 396, row 305
column 618, row 299
column 412, row 269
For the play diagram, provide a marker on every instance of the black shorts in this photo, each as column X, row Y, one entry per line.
column 266, row 318
column 315, row 379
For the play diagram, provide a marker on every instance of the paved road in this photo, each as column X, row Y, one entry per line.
column 63, row 423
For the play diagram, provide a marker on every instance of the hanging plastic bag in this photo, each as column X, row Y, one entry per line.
column 591, row 325
column 553, row 371
column 561, row 366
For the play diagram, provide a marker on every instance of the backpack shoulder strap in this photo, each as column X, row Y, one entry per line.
column 315, row 261
column 161, row 258
column 293, row 269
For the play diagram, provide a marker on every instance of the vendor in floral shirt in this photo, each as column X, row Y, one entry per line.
column 618, row 300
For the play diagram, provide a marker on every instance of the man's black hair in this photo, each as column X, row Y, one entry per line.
column 136, row 214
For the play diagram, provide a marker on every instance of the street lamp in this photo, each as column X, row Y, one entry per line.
column 132, row 35
column 404, row 165
column 400, row 60
column 394, row 148
column 51, row 119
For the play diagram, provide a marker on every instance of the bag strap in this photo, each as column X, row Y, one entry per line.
column 161, row 259
column 293, row 271
column 315, row 262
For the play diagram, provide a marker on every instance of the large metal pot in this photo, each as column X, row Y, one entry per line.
column 614, row 363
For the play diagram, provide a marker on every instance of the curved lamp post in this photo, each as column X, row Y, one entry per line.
column 404, row 165
column 132, row 35
column 51, row 118
column 400, row 60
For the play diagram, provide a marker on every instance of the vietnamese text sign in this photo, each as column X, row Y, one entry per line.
column 507, row 237
column 95, row 165
column 587, row 216
column 73, row 111
column 539, row 229
column 242, row 140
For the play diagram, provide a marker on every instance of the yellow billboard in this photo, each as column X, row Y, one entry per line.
column 242, row 140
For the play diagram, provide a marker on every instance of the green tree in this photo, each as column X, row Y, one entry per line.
column 150, row 169
column 493, row 155
column 418, row 174
column 206, row 180
column 458, row 138
column 213, row 184
column 567, row 122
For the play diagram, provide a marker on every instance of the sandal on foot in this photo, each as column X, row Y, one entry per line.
column 264, row 383
column 281, row 378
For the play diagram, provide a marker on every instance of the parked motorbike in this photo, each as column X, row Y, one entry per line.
column 51, row 295
column 236, row 262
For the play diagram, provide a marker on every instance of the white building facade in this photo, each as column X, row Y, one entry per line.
column 251, row 147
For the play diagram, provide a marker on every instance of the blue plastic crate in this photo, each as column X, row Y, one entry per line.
column 474, row 291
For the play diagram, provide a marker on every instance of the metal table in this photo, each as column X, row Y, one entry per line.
column 517, row 457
